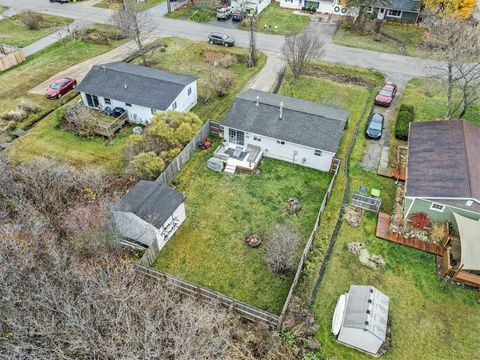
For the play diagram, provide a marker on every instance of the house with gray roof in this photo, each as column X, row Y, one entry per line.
column 443, row 170
column 399, row 10
column 139, row 90
column 298, row 131
column 151, row 211
column 360, row 319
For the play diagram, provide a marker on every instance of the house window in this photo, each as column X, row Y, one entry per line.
column 257, row 138
column 394, row 13
column 174, row 105
column 236, row 136
column 369, row 9
column 128, row 104
column 189, row 91
column 437, row 207
column 281, row 142
column 318, row 153
column 153, row 111
column 107, row 101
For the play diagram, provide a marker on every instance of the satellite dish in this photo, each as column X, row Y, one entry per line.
column 339, row 314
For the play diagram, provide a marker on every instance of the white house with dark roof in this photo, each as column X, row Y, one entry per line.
column 150, row 211
column 264, row 124
column 140, row 90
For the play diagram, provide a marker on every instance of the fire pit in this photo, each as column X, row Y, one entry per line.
column 253, row 240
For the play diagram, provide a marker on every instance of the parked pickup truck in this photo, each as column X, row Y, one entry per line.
column 224, row 13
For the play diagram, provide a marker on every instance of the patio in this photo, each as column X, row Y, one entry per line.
column 239, row 158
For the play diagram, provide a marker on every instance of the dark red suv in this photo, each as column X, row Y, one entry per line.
column 60, row 87
column 386, row 95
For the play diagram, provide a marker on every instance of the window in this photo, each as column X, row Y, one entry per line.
column 437, row 207
column 174, row 105
column 281, row 142
column 236, row 136
column 469, row 203
column 107, row 101
column 153, row 111
column 394, row 13
column 318, row 153
column 128, row 104
column 189, row 91
column 257, row 138
column 369, row 9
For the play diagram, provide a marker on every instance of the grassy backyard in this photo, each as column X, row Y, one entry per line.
column 277, row 20
column 2, row 9
column 15, row 33
column 403, row 39
column 186, row 56
column 222, row 210
column 430, row 319
column 192, row 13
column 112, row 4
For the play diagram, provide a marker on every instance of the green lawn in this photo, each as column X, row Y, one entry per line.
column 186, row 56
column 222, row 210
column 193, row 13
column 41, row 66
column 430, row 320
column 47, row 140
column 109, row 4
column 2, row 9
column 409, row 39
column 13, row 32
column 277, row 20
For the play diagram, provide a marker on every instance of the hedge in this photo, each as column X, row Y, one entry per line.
column 405, row 116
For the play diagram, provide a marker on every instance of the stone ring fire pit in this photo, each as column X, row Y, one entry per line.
column 253, row 240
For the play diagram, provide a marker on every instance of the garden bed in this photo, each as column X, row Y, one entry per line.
column 223, row 210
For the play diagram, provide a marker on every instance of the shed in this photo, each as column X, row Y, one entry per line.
column 150, row 211
column 360, row 319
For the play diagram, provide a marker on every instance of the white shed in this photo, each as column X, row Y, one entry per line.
column 360, row 319
column 150, row 211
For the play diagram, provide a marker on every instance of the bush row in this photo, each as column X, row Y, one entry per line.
column 405, row 116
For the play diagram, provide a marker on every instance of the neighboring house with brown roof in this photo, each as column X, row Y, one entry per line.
column 443, row 170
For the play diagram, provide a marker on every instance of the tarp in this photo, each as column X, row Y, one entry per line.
column 469, row 241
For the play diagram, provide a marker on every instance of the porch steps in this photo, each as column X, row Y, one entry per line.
column 230, row 169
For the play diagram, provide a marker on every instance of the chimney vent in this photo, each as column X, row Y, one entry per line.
column 281, row 110
column 125, row 86
column 258, row 98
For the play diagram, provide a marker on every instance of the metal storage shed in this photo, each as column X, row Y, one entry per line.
column 360, row 319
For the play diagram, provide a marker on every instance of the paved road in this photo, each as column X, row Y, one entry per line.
column 404, row 67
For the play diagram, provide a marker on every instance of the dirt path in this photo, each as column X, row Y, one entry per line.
column 79, row 71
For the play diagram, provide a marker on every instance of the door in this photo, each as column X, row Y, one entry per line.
column 92, row 100
column 381, row 14
column 236, row 136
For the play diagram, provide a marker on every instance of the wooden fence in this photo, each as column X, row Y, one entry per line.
column 10, row 56
column 308, row 246
column 181, row 159
column 186, row 288
column 216, row 128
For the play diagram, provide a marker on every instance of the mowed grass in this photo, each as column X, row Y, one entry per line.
column 46, row 139
column 430, row 320
column 115, row 5
column 222, row 210
column 277, row 20
column 409, row 38
column 192, row 13
column 15, row 33
column 429, row 97
column 186, row 56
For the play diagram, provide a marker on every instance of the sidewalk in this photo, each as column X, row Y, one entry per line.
column 53, row 37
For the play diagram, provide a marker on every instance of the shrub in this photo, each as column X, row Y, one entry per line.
column 219, row 58
column 146, row 165
column 420, row 220
column 29, row 106
column 404, row 117
column 16, row 115
column 31, row 20
column 222, row 82
column 281, row 245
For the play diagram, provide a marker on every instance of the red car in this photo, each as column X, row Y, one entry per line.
column 60, row 87
column 385, row 96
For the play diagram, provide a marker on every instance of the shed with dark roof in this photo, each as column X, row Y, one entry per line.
column 150, row 211
column 443, row 170
column 138, row 89
column 286, row 128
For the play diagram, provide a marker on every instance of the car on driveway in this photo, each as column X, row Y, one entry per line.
column 238, row 15
column 220, row 39
column 224, row 13
column 60, row 87
column 375, row 126
column 386, row 94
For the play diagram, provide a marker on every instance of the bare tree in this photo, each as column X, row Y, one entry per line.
column 137, row 24
column 252, row 50
column 470, row 79
column 458, row 43
column 282, row 243
column 300, row 48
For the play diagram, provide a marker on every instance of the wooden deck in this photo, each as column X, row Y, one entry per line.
column 467, row 278
column 382, row 232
